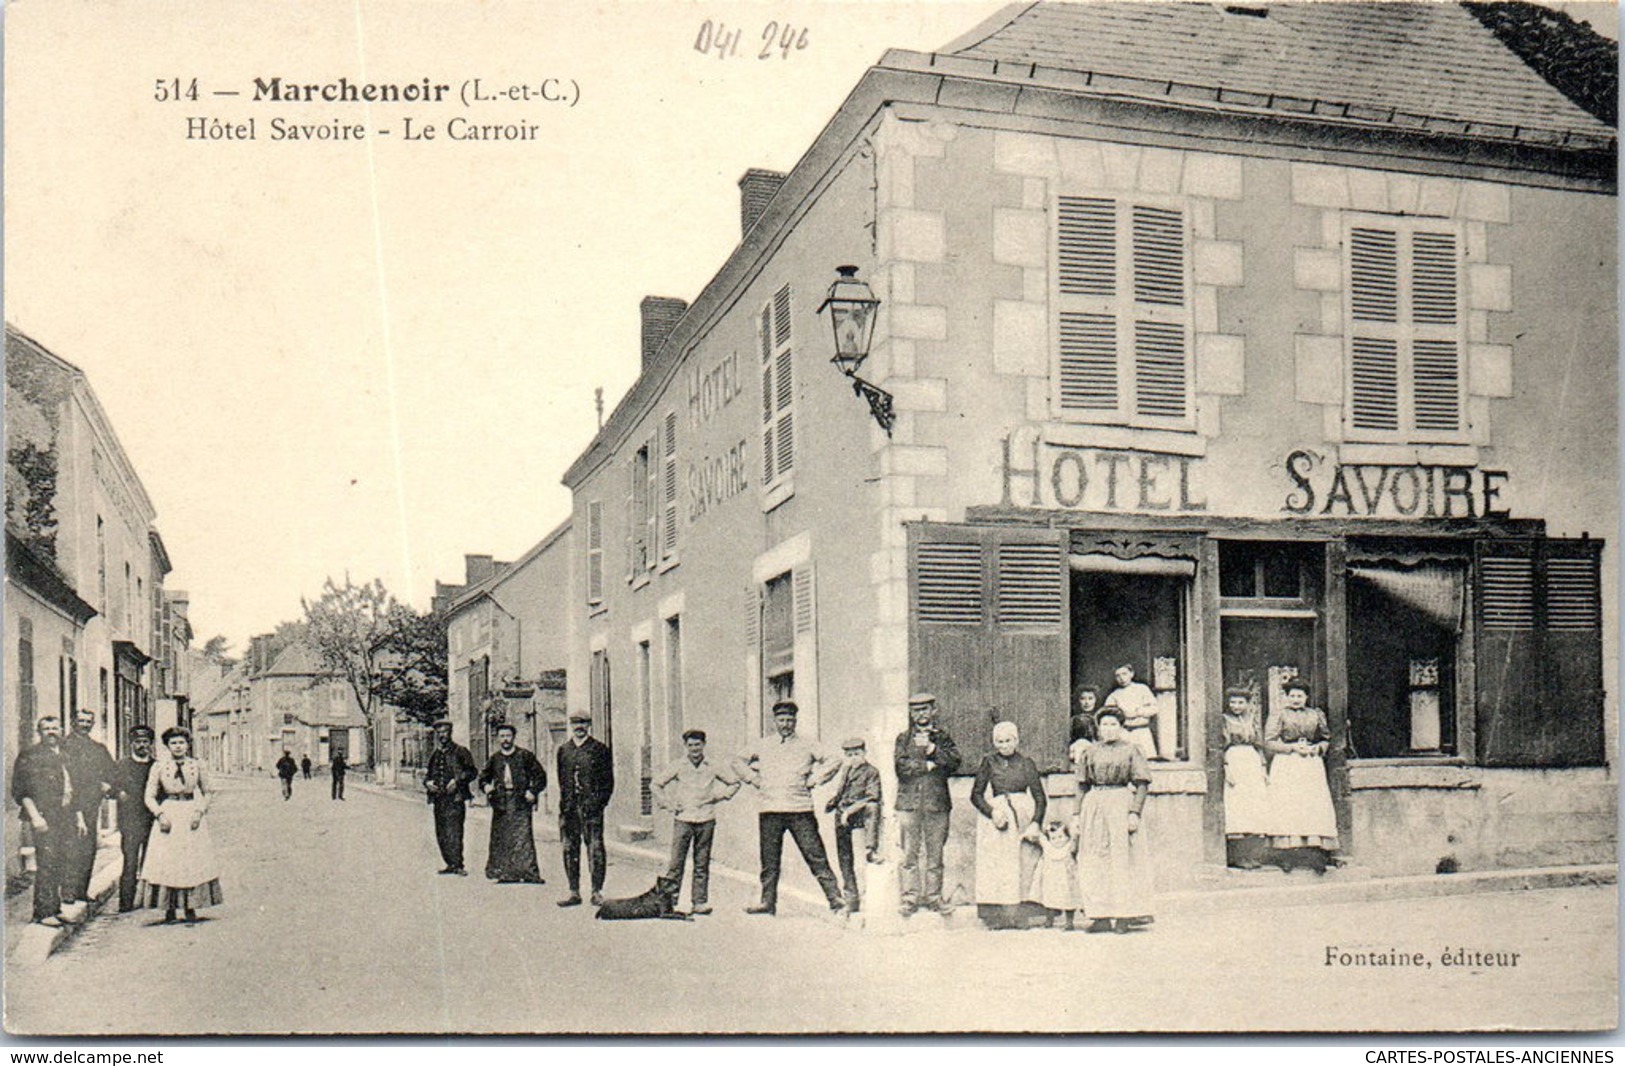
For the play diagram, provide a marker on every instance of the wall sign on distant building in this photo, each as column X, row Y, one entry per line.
column 714, row 479
column 1099, row 479
column 1380, row 490
column 712, row 390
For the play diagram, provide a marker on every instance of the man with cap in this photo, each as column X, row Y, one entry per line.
column 90, row 769
column 286, row 768
column 924, row 757
column 586, row 781
column 856, row 807
column 513, row 779
column 41, row 787
column 785, row 769
column 691, row 788
column 446, row 780
column 337, row 767
column 134, row 820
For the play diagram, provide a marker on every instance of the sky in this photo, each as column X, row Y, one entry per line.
column 371, row 357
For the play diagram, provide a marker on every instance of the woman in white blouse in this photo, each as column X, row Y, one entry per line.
column 180, row 871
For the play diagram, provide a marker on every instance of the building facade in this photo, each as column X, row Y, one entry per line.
column 1234, row 371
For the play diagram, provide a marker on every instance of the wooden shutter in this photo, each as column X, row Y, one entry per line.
column 1538, row 652
column 595, row 552
column 1405, row 375
column 778, row 389
column 804, row 590
column 651, row 503
column 769, row 395
column 668, row 496
column 1123, row 312
column 989, row 634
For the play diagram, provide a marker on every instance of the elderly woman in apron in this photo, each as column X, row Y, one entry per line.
column 179, row 871
column 1114, row 873
column 1008, row 795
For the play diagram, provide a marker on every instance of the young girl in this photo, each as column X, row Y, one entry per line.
column 1055, row 881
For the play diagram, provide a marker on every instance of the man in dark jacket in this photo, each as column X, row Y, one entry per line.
column 340, row 764
column 925, row 757
column 39, row 783
column 134, row 820
column 586, row 780
column 90, row 769
column 304, row 766
column 286, row 768
column 451, row 768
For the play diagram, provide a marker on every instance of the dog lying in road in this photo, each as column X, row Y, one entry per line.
column 659, row 902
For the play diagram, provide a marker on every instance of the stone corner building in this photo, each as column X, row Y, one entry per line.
column 1237, row 343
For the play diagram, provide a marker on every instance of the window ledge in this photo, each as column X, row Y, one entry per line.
column 1444, row 772
column 780, row 492
column 1409, row 454
column 669, row 563
column 596, row 609
column 1124, row 438
column 639, row 580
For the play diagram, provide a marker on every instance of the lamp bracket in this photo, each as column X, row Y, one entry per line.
column 879, row 400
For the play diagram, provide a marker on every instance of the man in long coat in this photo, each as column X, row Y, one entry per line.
column 90, row 769
column 586, row 781
column 40, row 785
column 450, row 770
column 513, row 779
column 134, row 820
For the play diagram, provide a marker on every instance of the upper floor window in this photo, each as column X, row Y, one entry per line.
column 1405, row 365
column 1122, row 299
column 778, row 391
column 642, row 511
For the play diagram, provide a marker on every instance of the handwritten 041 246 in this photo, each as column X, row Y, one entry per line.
column 775, row 40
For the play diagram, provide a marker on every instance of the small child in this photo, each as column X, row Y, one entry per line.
column 1055, row 880
column 856, row 806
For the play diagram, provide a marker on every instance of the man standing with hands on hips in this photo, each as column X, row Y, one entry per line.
column 925, row 756
column 450, row 771
column 586, row 781
column 785, row 768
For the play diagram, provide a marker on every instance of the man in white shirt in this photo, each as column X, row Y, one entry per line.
column 786, row 768
column 691, row 788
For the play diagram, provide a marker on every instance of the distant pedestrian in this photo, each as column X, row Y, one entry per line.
column 586, row 782
column 285, row 769
column 785, row 769
column 134, row 820
column 450, row 770
column 924, row 757
column 691, row 788
column 40, row 785
column 180, row 872
column 513, row 780
column 339, row 765
column 90, row 768
column 304, row 765
column 856, row 807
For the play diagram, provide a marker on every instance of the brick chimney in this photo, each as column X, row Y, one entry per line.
column 756, row 188
column 477, row 568
column 660, row 314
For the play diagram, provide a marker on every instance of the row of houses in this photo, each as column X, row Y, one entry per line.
column 89, row 622
column 1236, row 342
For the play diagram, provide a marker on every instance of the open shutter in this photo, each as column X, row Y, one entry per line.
column 750, row 616
column 634, row 520
column 595, row 552
column 989, row 633
column 651, row 503
column 769, row 396
column 805, row 608
column 1161, row 343
column 1538, row 651
column 668, row 495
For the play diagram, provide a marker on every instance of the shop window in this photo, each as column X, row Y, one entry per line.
column 1405, row 624
column 778, row 392
column 989, row 633
column 1538, row 652
column 1123, row 313
column 1135, row 620
column 1406, row 343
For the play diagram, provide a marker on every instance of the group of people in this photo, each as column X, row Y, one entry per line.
column 162, row 800
column 287, row 770
column 1277, row 800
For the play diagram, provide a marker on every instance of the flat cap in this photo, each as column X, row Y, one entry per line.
column 852, row 742
column 919, row 699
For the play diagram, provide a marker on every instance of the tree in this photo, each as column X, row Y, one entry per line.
column 415, row 665
column 349, row 625
column 215, row 650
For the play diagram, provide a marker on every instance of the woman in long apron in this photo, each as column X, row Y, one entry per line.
column 1008, row 795
column 180, row 871
column 1303, row 823
column 1114, row 873
column 1246, row 785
